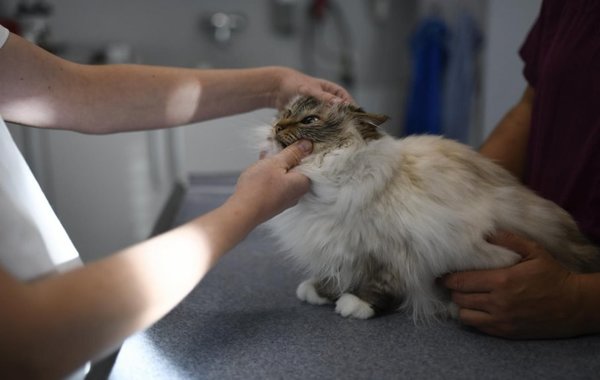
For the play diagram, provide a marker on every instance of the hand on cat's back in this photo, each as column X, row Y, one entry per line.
column 536, row 297
column 270, row 185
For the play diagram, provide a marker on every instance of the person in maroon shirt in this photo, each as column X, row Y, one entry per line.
column 551, row 140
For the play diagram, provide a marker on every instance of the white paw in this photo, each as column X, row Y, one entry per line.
column 349, row 305
column 306, row 292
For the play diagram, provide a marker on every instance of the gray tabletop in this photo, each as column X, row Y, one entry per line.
column 243, row 321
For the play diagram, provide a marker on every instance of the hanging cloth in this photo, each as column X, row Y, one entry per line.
column 463, row 45
column 424, row 106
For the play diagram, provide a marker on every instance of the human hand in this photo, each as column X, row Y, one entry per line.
column 291, row 83
column 535, row 298
column 270, row 186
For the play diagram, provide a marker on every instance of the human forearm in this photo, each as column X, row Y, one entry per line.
column 133, row 97
column 507, row 144
column 90, row 310
column 42, row 90
column 589, row 289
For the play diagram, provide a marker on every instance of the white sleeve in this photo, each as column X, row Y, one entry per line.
column 3, row 35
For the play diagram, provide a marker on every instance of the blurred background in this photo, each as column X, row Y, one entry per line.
column 435, row 66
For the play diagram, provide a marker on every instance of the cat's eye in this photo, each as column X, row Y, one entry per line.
column 309, row 119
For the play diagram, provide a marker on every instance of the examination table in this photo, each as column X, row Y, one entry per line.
column 243, row 321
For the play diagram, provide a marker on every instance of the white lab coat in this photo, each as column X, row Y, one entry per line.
column 33, row 243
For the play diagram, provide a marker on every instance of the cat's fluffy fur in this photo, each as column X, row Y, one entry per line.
column 386, row 216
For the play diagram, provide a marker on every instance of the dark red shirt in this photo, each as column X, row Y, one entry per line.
column 562, row 64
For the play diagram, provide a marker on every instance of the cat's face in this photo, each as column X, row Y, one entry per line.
column 327, row 126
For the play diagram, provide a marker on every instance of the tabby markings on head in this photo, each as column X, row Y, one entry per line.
column 331, row 125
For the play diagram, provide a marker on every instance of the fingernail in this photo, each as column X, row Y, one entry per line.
column 305, row 146
column 334, row 101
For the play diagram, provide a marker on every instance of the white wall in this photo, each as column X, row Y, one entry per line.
column 509, row 22
column 174, row 35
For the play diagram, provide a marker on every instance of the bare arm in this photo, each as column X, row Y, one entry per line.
column 50, row 327
column 42, row 90
column 507, row 144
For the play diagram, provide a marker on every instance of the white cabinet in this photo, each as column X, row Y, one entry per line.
column 106, row 190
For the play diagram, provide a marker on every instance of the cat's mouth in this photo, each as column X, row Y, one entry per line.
column 286, row 138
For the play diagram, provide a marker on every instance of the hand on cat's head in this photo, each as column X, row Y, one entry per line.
column 292, row 83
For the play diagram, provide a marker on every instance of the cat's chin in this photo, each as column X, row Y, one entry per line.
column 282, row 142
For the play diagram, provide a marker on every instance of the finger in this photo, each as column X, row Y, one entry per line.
column 486, row 323
column 328, row 92
column 475, row 318
column 472, row 301
column 293, row 154
column 480, row 281
column 319, row 93
column 525, row 247
column 299, row 183
column 338, row 91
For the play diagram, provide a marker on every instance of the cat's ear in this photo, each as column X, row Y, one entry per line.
column 368, row 123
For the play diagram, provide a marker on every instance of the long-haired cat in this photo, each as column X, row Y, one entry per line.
column 386, row 216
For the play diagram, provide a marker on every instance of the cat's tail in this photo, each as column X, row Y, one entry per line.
column 575, row 251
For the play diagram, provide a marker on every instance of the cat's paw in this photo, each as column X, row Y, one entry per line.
column 306, row 292
column 349, row 305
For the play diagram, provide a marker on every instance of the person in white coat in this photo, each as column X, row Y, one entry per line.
column 57, row 314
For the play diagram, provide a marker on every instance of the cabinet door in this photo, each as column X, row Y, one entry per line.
column 107, row 190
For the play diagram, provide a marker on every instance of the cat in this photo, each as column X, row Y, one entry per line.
column 385, row 217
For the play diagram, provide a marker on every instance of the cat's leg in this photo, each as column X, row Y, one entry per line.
column 349, row 305
column 316, row 292
column 374, row 296
column 366, row 303
column 383, row 297
column 379, row 291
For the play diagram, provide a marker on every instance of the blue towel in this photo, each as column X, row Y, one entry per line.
column 463, row 45
column 424, row 106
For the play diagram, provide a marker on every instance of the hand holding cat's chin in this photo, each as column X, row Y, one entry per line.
column 270, row 186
